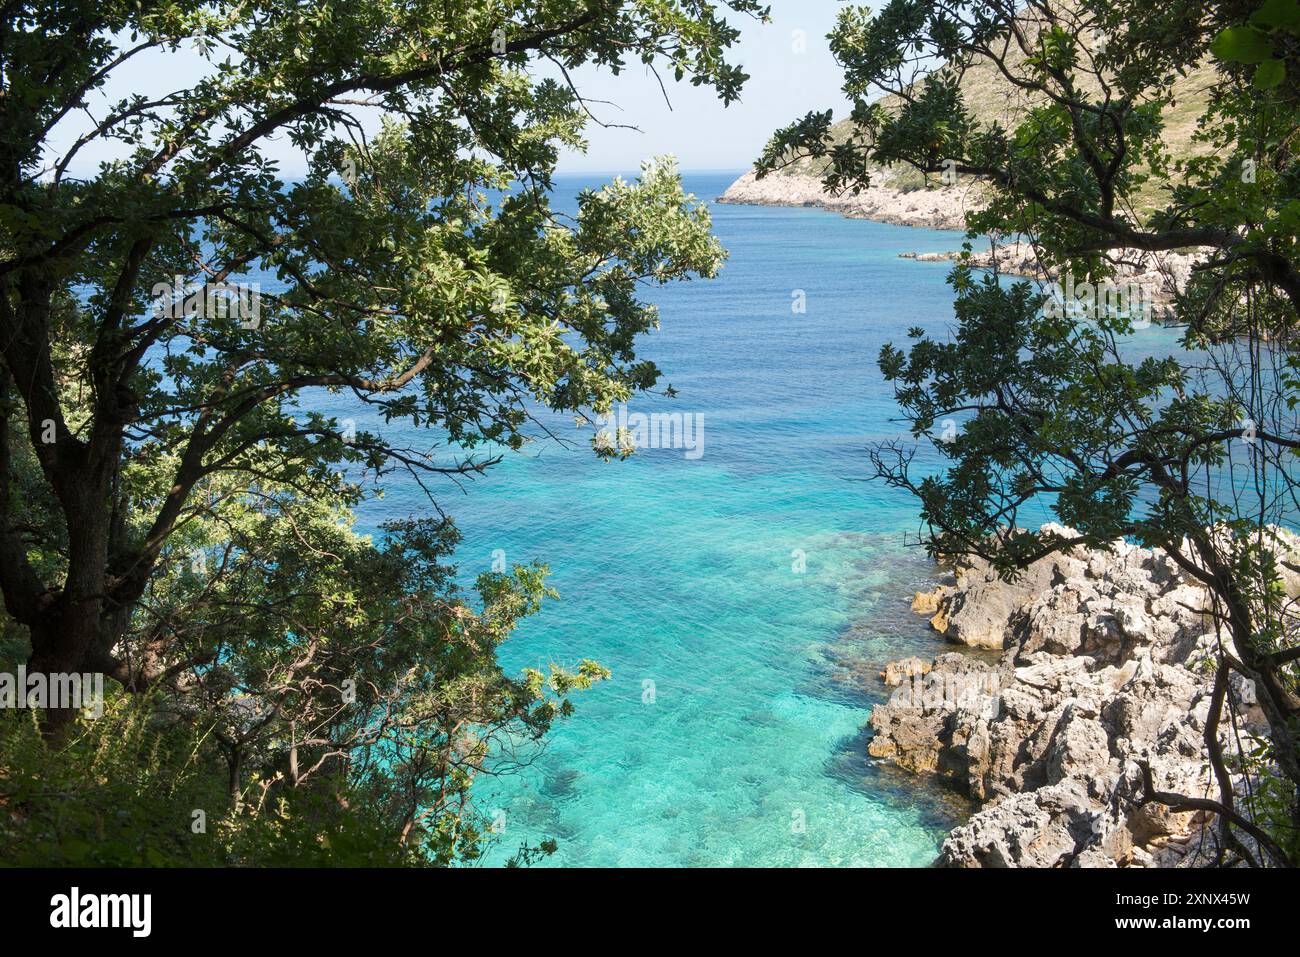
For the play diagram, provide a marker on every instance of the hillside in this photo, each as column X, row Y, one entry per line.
column 990, row 98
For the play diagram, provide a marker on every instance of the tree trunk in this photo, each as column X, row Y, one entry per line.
column 67, row 637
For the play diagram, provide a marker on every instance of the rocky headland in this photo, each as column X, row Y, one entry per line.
column 1106, row 664
column 935, row 208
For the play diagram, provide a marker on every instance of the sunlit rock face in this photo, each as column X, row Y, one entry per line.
column 938, row 208
column 1106, row 660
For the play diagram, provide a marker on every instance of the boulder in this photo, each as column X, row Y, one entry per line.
column 975, row 612
column 896, row 672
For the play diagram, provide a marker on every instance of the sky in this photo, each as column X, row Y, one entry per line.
column 789, row 62
column 791, row 72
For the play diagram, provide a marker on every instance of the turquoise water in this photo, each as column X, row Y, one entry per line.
column 731, row 732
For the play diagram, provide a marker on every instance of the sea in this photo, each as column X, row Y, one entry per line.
column 745, row 591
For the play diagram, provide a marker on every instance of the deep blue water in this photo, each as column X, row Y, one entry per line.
column 731, row 732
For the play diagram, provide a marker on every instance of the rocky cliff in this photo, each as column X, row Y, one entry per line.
column 1106, row 662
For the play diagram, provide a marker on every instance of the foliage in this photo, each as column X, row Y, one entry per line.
column 175, row 514
column 345, row 702
column 1194, row 454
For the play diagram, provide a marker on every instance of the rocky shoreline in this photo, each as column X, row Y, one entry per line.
column 1106, row 657
column 1158, row 276
column 1106, row 664
column 1155, row 277
column 938, row 208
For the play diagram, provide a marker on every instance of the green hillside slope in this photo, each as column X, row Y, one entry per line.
column 990, row 98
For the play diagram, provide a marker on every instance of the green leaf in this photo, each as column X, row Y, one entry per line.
column 1277, row 13
column 1242, row 45
column 1269, row 74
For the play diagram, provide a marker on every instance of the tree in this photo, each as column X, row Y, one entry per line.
column 346, row 697
column 434, row 283
column 1195, row 456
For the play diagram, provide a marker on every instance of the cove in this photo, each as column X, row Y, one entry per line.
column 756, row 590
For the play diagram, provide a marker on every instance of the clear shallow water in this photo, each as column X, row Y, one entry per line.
column 680, row 572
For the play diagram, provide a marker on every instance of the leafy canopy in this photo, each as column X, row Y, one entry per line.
column 176, row 513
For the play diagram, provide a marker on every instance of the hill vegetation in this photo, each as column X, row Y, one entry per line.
column 991, row 98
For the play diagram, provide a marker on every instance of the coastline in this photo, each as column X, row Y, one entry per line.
column 1145, row 277
column 938, row 208
column 1058, row 690
column 1158, row 276
column 1104, row 676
